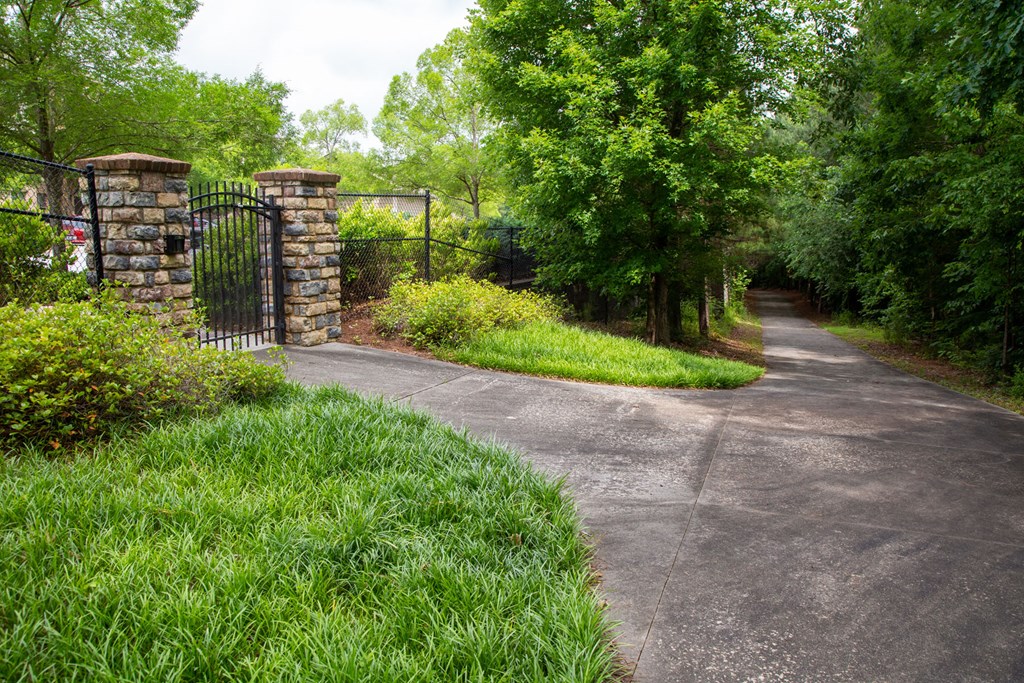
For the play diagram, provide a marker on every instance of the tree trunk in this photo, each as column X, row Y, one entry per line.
column 675, row 314
column 725, row 288
column 1007, row 318
column 657, row 310
column 703, row 314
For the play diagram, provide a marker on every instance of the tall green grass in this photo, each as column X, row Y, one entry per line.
column 557, row 350
column 321, row 537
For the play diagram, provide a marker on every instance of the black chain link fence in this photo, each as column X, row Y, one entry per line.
column 43, row 232
column 386, row 238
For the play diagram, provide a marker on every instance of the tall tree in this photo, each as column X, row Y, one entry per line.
column 928, row 178
column 227, row 129
column 74, row 74
column 433, row 126
column 87, row 77
column 629, row 127
column 328, row 132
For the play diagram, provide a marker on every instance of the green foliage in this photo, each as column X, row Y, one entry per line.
column 393, row 249
column 631, row 128
column 555, row 350
column 816, row 242
column 366, row 220
column 451, row 230
column 326, row 132
column 434, row 127
column 318, row 537
column 914, row 213
column 34, row 259
column 80, row 78
column 455, row 311
column 228, row 129
column 1017, row 383
column 73, row 371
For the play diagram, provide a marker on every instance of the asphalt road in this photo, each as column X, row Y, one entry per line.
column 836, row 521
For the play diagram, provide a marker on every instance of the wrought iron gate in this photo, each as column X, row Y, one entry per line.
column 238, row 283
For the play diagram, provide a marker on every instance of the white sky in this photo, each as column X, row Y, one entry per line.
column 322, row 49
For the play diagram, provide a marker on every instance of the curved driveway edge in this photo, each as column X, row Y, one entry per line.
column 838, row 520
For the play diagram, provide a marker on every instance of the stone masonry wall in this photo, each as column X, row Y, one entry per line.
column 141, row 200
column 311, row 249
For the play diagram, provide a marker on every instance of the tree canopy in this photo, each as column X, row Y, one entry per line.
column 75, row 73
column 630, row 129
column 328, row 131
column 925, row 176
column 433, row 127
column 88, row 77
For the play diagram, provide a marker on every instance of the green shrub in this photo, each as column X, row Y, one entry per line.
column 448, row 228
column 1017, row 383
column 34, row 259
column 363, row 220
column 76, row 370
column 451, row 312
column 381, row 246
column 378, row 248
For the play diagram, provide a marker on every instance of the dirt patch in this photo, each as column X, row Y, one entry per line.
column 357, row 329
column 743, row 344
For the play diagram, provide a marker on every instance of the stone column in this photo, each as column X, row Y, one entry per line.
column 311, row 249
column 143, row 199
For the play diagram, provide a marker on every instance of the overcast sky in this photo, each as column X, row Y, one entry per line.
column 322, row 49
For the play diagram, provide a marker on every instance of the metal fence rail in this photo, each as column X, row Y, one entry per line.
column 237, row 266
column 54, row 193
column 387, row 238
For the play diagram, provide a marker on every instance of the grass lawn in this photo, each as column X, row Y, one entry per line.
column 856, row 333
column 557, row 350
column 318, row 537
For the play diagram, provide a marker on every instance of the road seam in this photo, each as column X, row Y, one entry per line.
column 828, row 521
column 433, row 386
column 686, row 530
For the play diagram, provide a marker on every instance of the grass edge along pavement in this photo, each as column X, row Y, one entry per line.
column 551, row 349
column 316, row 535
column 484, row 325
column 872, row 341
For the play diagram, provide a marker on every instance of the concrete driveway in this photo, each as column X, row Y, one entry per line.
column 836, row 521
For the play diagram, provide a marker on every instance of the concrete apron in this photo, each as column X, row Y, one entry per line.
column 838, row 520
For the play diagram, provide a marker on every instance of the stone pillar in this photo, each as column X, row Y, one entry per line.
column 143, row 199
column 311, row 249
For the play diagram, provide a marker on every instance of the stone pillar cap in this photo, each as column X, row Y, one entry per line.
column 305, row 175
column 136, row 162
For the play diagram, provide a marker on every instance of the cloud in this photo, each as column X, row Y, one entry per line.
column 322, row 49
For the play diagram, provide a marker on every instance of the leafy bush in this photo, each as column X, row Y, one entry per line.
column 364, row 220
column 379, row 246
column 75, row 370
column 382, row 245
column 33, row 262
column 1017, row 383
column 454, row 311
column 448, row 228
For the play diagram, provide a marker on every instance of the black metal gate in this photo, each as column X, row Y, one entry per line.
column 238, row 282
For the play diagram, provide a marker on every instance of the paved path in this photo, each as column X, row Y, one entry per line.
column 836, row 521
